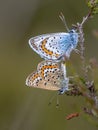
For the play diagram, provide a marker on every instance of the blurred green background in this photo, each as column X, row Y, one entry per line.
column 23, row 108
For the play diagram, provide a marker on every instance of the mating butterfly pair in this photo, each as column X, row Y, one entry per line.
column 51, row 74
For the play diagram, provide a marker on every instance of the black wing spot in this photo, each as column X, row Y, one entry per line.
column 53, row 77
column 58, row 51
column 58, row 76
column 37, row 81
column 48, row 79
column 55, row 69
column 54, row 82
column 46, row 41
column 47, row 71
column 45, row 83
column 45, row 76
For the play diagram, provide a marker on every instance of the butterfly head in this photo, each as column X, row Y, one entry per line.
column 74, row 37
column 72, row 31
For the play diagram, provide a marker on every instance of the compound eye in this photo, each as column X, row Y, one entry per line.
column 72, row 31
column 61, row 91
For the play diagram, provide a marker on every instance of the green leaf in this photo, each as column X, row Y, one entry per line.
column 82, row 80
column 95, row 11
column 89, row 4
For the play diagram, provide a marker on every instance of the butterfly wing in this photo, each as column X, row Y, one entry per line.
column 48, row 76
column 51, row 46
column 39, row 82
column 33, row 79
column 52, row 73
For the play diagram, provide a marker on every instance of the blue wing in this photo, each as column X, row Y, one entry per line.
column 55, row 45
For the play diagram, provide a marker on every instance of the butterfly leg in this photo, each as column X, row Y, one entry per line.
column 65, row 87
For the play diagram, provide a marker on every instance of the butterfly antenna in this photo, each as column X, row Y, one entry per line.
column 50, row 102
column 57, row 103
column 64, row 21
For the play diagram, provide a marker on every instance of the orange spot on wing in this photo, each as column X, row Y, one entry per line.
column 48, row 51
column 47, row 67
column 36, row 75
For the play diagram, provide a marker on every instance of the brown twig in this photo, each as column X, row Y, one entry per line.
column 89, row 93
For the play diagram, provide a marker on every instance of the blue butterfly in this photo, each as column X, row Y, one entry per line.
column 54, row 46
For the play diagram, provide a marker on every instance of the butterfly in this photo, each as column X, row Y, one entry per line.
column 50, row 75
column 54, row 46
